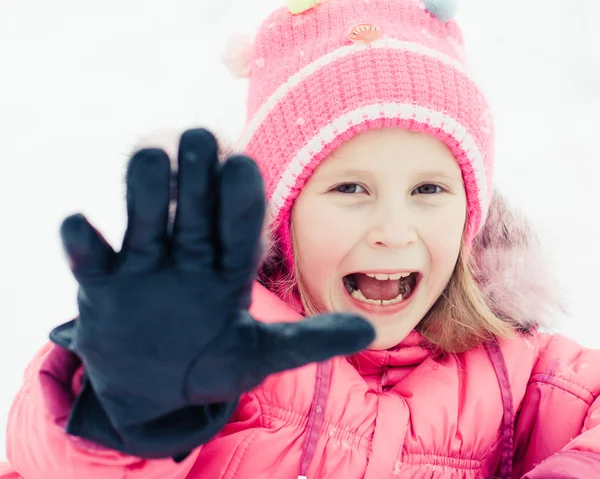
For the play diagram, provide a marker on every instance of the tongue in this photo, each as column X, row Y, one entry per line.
column 372, row 288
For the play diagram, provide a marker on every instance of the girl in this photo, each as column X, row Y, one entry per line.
column 424, row 356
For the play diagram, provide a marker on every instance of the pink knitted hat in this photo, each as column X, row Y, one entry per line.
column 335, row 68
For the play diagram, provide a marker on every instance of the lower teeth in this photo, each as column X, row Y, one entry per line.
column 357, row 294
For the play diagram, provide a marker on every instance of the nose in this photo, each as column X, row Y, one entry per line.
column 392, row 226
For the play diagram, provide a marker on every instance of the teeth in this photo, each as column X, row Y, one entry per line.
column 397, row 299
column 385, row 277
column 357, row 294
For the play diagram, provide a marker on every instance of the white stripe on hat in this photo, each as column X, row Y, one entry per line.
column 311, row 68
column 405, row 111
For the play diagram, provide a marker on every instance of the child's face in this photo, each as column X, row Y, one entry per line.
column 387, row 201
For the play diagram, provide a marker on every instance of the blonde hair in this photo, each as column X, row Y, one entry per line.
column 460, row 319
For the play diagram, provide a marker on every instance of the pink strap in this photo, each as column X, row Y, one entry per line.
column 316, row 417
column 508, row 418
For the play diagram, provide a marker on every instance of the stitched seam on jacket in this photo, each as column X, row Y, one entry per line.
column 441, row 460
column 238, row 456
column 563, row 384
column 331, row 430
column 262, row 415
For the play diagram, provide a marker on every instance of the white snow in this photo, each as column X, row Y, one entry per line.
column 81, row 81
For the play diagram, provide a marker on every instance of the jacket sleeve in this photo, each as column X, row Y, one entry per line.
column 37, row 445
column 558, row 427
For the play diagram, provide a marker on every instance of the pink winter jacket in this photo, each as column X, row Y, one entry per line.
column 527, row 408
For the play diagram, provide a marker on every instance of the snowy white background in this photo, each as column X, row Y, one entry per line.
column 81, row 81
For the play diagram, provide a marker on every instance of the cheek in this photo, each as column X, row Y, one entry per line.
column 322, row 238
column 444, row 241
column 322, row 230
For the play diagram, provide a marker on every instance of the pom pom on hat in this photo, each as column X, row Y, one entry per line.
column 301, row 6
column 443, row 10
column 237, row 56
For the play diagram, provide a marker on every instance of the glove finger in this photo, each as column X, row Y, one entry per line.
column 283, row 346
column 242, row 212
column 194, row 235
column 145, row 241
column 88, row 253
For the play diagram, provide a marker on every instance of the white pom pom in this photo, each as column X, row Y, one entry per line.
column 237, row 55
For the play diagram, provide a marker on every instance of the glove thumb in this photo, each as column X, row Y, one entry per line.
column 283, row 346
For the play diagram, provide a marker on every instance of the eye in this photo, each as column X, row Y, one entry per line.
column 349, row 188
column 429, row 189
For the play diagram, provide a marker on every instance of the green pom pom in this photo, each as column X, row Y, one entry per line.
column 443, row 10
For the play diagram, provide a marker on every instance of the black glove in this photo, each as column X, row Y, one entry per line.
column 163, row 330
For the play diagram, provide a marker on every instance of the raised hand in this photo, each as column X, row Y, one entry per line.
column 164, row 331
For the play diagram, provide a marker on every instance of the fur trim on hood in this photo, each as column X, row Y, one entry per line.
column 512, row 271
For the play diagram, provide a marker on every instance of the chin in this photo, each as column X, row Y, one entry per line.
column 390, row 335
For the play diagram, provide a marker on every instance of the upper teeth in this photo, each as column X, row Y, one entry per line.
column 385, row 277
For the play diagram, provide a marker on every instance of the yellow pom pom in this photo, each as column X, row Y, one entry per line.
column 301, row 6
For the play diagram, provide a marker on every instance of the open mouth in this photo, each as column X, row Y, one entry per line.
column 381, row 289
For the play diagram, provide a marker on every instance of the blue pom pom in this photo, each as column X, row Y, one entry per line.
column 443, row 10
